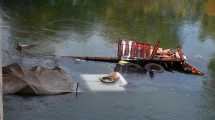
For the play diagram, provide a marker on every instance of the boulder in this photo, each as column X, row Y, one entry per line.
column 36, row 81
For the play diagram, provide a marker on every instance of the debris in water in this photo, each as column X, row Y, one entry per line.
column 22, row 46
column 113, row 77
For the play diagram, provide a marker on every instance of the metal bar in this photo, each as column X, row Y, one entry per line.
column 156, row 46
column 102, row 59
column 181, row 54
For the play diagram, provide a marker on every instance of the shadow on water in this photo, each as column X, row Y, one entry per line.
column 91, row 28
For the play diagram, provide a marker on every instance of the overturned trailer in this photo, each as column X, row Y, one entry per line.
column 143, row 53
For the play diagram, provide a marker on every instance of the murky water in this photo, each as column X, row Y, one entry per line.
column 91, row 28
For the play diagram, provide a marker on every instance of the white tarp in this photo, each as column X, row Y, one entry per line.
column 91, row 82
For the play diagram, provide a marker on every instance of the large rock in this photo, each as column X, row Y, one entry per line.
column 36, row 81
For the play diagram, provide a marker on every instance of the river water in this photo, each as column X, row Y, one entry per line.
column 92, row 28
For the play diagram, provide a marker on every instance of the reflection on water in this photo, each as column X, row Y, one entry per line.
column 91, row 28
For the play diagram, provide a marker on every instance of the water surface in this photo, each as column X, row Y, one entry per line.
column 92, row 28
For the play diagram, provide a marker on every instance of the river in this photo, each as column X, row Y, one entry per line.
column 92, row 28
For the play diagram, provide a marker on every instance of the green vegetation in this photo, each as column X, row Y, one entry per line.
column 147, row 20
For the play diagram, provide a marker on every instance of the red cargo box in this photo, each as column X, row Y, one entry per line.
column 130, row 50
